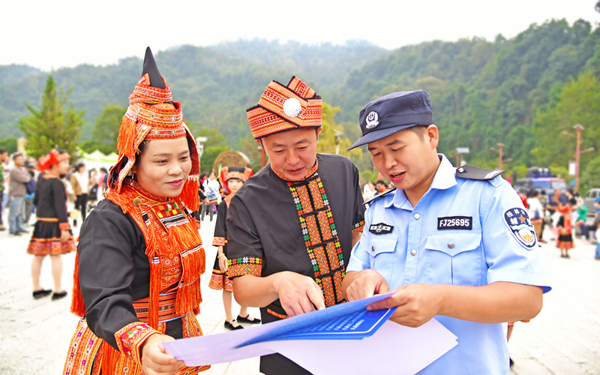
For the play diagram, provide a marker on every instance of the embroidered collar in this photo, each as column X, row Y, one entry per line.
column 310, row 173
column 49, row 175
column 146, row 194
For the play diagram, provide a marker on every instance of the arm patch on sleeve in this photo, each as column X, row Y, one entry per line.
column 518, row 222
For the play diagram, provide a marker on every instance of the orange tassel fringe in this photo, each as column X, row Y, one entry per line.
column 77, row 303
column 154, row 292
column 110, row 359
column 189, row 194
column 126, row 141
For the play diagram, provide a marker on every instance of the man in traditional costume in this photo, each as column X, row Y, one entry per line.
column 291, row 227
column 140, row 256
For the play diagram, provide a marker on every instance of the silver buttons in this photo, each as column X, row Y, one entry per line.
column 413, row 252
column 417, row 216
column 451, row 245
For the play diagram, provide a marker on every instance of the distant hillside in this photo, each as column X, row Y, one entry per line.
column 483, row 92
column 15, row 73
column 215, row 84
column 326, row 64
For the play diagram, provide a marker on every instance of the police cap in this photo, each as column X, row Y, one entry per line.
column 392, row 113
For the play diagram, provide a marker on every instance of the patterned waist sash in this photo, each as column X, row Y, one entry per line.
column 166, row 308
column 48, row 219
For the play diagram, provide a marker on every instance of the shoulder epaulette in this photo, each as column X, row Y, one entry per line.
column 470, row 172
column 368, row 201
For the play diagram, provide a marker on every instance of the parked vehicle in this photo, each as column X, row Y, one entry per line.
column 549, row 184
column 589, row 199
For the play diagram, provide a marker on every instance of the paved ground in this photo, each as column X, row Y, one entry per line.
column 563, row 339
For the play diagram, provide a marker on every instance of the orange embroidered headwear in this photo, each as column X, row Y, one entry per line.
column 152, row 114
column 285, row 107
column 54, row 157
column 241, row 173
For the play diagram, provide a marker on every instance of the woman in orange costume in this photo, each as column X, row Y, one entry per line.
column 140, row 255
column 52, row 233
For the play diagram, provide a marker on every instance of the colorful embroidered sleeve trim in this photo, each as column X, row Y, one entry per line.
column 131, row 338
column 280, row 316
column 244, row 266
column 358, row 227
column 219, row 241
column 64, row 226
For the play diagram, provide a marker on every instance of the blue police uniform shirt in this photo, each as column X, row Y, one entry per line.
column 461, row 232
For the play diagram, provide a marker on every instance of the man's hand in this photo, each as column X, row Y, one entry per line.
column 366, row 284
column 417, row 304
column 223, row 263
column 156, row 360
column 298, row 294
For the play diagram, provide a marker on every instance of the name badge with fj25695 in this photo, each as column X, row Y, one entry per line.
column 455, row 222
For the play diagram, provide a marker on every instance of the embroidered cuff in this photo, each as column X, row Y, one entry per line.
column 358, row 227
column 219, row 241
column 64, row 226
column 131, row 338
column 244, row 266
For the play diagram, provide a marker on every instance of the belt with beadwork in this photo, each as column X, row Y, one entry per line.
column 166, row 308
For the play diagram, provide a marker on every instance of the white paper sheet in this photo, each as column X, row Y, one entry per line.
column 392, row 350
column 240, row 344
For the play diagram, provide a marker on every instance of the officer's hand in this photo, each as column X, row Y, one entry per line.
column 417, row 304
column 297, row 293
column 156, row 360
column 366, row 284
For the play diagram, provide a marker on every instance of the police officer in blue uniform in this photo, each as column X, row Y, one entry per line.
column 454, row 244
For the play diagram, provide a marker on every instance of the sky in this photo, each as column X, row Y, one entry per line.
column 65, row 33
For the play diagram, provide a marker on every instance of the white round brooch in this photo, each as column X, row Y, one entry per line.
column 292, row 107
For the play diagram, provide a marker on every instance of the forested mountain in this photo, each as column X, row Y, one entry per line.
column 215, row 84
column 482, row 92
column 326, row 64
column 517, row 91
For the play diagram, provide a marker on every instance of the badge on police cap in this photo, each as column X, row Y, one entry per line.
column 372, row 120
column 520, row 226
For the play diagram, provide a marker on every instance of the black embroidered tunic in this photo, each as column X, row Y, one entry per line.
column 274, row 225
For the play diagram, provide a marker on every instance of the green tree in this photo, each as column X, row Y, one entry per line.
column 108, row 123
column 9, row 144
column 55, row 124
column 90, row 146
column 590, row 176
column 214, row 145
column 332, row 139
column 250, row 149
column 577, row 103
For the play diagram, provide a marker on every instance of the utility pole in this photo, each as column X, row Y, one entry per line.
column 578, row 128
column 501, row 155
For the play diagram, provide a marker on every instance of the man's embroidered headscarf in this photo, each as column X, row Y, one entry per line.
column 283, row 108
column 152, row 114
